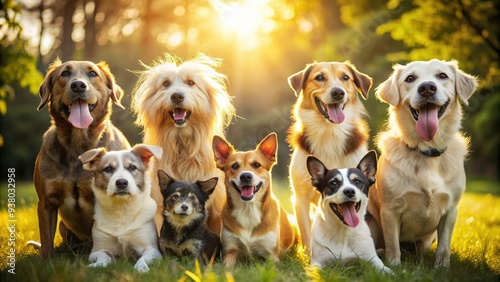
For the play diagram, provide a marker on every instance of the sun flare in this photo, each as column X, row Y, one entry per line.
column 244, row 18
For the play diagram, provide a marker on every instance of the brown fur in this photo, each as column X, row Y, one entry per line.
column 62, row 185
column 335, row 144
column 259, row 225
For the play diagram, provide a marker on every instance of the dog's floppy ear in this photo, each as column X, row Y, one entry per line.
column 269, row 146
column 47, row 84
column 368, row 165
column 465, row 84
column 164, row 180
column 362, row 81
column 222, row 151
column 116, row 91
column 317, row 170
column 207, row 186
column 145, row 152
column 297, row 80
column 91, row 157
column 388, row 91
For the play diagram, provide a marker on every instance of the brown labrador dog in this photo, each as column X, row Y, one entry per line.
column 79, row 95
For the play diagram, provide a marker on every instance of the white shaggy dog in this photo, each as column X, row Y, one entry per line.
column 124, row 210
column 340, row 232
column 181, row 106
column 421, row 175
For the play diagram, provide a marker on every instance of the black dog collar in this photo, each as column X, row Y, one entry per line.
column 432, row 152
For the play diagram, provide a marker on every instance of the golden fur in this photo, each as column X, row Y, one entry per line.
column 416, row 194
column 340, row 144
column 257, row 226
column 187, row 146
column 63, row 187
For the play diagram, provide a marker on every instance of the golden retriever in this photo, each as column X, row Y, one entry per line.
column 421, row 176
column 79, row 95
column 181, row 106
column 329, row 124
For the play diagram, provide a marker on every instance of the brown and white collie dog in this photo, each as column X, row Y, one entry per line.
column 181, row 106
column 329, row 124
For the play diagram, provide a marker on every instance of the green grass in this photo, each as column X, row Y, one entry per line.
column 475, row 252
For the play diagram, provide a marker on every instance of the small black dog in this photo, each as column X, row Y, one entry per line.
column 184, row 231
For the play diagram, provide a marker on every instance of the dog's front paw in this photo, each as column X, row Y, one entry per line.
column 394, row 261
column 141, row 265
column 99, row 264
column 442, row 259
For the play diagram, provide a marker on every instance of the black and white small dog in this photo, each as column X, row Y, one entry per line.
column 184, row 231
column 340, row 232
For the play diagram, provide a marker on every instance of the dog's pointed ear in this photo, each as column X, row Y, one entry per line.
column 297, row 80
column 145, row 152
column 368, row 165
column 46, row 87
column 222, row 151
column 208, row 186
column 388, row 91
column 362, row 81
column 465, row 84
column 91, row 157
column 115, row 90
column 317, row 170
column 269, row 146
column 164, row 180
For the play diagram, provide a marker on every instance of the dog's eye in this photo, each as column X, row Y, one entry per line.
column 410, row 78
column 166, row 83
column 190, row 83
column 442, row 76
column 235, row 166
column 334, row 183
column 357, row 182
column 255, row 165
column 65, row 73
column 345, row 77
column 175, row 197
column 319, row 77
column 92, row 74
column 132, row 167
column 108, row 169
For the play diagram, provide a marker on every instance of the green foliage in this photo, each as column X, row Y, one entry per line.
column 17, row 66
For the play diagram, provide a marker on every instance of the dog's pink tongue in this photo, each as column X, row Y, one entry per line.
column 350, row 216
column 427, row 123
column 335, row 113
column 80, row 115
column 179, row 114
column 247, row 191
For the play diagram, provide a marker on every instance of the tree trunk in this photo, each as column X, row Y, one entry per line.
column 67, row 44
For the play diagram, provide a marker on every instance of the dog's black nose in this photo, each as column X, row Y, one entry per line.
column 177, row 98
column 78, row 86
column 349, row 192
column 121, row 183
column 337, row 94
column 184, row 207
column 246, row 177
column 427, row 89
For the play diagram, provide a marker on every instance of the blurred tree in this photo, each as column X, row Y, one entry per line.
column 17, row 66
column 469, row 32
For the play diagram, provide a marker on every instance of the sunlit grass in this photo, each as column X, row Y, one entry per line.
column 475, row 255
